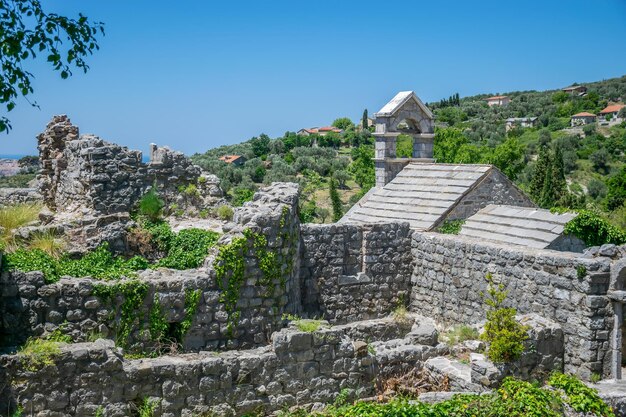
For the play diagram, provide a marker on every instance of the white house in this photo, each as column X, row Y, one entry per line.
column 583, row 118
column 511, row 122
column 498, row 101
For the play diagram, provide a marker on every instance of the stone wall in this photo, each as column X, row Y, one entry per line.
column 494, row 188
column 297, row 368
column 30, row 306
column 85, row 174
column 11, row 196
column 354, row 272
column 567, row 288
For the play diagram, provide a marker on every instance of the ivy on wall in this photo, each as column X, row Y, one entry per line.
column 230, row 268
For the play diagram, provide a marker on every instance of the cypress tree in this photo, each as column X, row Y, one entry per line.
column 558, row 175
column 546, row 199
column 364, row 120
column 335, row 200
column 539, row 173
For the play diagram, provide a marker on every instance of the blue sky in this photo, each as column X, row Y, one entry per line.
column 197, row 74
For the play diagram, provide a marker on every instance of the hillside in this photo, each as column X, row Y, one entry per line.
column 468, row 131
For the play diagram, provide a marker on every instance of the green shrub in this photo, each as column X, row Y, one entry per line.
column 594, row 230
column 459, row 334
column 504, row 334
column 225, row 212
column 191, row 190
column 150, row 205
column 38, row 353
column 579, row 396
column 99, row 264
column 514, row 398
column 451, row 227
column 188, row 249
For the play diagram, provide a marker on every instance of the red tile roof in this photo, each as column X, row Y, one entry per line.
column 584, row 114
column 496, row 97
column 229, row 158
column 613, row 108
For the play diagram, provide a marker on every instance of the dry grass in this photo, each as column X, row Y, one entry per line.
column 14, row 217
column 49, row 243
column 401, row 315
column 412, row 383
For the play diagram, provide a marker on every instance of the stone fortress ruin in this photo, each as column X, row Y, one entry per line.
column 237, row 353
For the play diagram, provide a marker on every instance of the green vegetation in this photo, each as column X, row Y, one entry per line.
column 151, row 205
column 48, row 242
column 451, row 227
column 147, row 407
column 579, row 396
column 230, row 264
column 514, row 398
column 183, row 250
column 503, row 333
column 225, row 212
column 335, row 200
column 400, row 315
column 38, row 353
column 304, row 325
column 594, row 230
column 14, row 217
column 459, row 334
column 16, row 181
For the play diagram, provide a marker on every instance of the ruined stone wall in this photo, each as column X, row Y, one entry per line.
column 12, row 196
column 495, row 188
column 297, row 368
column 567, row 288
column 85, row 174
column 30, row 306
column 354, row 272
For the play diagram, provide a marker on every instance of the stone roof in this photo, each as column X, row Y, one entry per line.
column 398, row 101
column 421, row 194
column 525, row 226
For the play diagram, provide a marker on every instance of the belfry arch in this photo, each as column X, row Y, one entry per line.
column 404, row 114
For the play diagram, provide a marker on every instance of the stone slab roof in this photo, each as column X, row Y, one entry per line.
column 525, row 226
column 421, row 194
column 398, row 101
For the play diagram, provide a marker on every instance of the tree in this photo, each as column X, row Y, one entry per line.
column 544, row 160
column 335, row 200
column 600, row 160
column 559, row 185
column 260, row 145
column 342, row 177
column 343, row 123
column 509, row 158
column 616, row 190
column 596, row 188
column 364, row 122
column 362, row 166
column 26, row 30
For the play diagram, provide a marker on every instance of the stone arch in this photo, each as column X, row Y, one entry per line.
column 404, row 114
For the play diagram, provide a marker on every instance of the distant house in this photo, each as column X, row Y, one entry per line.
column 511, row 122
column 581, row 119
column 611, row 113
column 233, row 159
column 322, row 131
column 498, row 101
column 575, row 90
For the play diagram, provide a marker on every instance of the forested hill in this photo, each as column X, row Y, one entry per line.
column 586, row 163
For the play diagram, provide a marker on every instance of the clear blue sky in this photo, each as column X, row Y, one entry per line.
column 198, row 74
